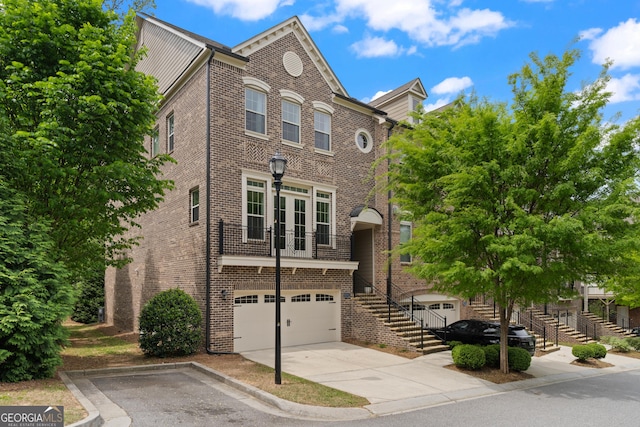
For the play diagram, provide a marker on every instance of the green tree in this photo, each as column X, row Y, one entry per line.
column 35, row 295
column 515, row 205
column 77, row 113
column 124, row 6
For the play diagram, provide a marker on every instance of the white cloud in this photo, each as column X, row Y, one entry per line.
column 313, row 23
column 373, row 47
column 452, row 85
column 376, row 96
column 620, row 44
column 420, row 20
column 626, row 88
column 590, row 34
column 440, row 102
column 339, row 29
column 245, row 10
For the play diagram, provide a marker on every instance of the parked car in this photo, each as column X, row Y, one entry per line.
column 484, row 332
column 636, row 331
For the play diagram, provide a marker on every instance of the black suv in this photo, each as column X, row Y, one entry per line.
column 485, row 333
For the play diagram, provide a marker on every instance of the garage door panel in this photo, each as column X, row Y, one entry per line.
column 251, row 328
column 307, row 317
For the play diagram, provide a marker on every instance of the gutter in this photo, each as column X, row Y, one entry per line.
column 208, row 216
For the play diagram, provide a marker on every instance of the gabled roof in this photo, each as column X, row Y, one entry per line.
column 295, row 27
column 206, row 42
column 414, row 87
column 172, row 52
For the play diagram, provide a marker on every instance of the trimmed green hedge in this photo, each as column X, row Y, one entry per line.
column 492, row 355
column 599, row 351
column 468, row 356
column 519, row 359
column 583, row 352
column 170, row 325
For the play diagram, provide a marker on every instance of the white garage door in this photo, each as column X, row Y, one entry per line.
column 307, row 317
column 446, row 309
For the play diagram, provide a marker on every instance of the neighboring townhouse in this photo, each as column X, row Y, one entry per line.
column 225, row 113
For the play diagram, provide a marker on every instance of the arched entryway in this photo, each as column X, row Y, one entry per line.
column 364, row 221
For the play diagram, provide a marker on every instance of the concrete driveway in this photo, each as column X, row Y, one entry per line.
column 395, row 384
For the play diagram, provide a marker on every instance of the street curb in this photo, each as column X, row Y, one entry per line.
column 94, row 419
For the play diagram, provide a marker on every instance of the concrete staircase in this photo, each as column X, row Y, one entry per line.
column 399, row 324
column 608, row 328
column 565, row 333
column 486, row 312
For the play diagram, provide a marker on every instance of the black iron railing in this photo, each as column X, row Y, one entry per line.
column 412, row 310
column 251, row 241
column 417, row 311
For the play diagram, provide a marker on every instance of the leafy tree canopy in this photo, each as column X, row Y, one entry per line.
column 517, row 203
column 35, row 295
column 76, row 112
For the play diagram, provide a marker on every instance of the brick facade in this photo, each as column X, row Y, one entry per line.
column 172, row 251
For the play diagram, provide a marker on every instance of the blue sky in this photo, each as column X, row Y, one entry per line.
column 374, row 46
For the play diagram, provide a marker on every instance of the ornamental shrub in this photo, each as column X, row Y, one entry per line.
column 634, row 342
column 170, row 325
column 606, row 339
column 468, row 356
column 583, row 352
column 621, row 345
column 599, row 351
column 453, row 344
column 492, row 355
column 519, row 359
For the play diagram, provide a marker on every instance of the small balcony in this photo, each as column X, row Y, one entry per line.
column 249, row 246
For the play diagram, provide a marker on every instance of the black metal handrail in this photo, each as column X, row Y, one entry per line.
column 361, row 285
column 546, row 330
column 251, row 241
column 416, row 310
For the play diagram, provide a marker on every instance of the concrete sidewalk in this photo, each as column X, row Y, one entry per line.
column 395, row 384
column 391, row 383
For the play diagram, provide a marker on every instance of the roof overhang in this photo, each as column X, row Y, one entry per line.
column 363, row 218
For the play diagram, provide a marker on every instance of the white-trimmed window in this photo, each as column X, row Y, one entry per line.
column 364, row 142
column 290, row 121
column 256, row 111
column 170, row 135
column 324, row 297
column 415, row 103
column 155, row 142
column 255, row 209
column 322, row 129
column 323, row 218
column 255, row 94
column 194, row 202
column 405, row 236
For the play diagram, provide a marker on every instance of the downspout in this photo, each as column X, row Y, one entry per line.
column 208, row 216
column 389, row 221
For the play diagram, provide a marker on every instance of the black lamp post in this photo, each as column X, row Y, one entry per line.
column 278, row 165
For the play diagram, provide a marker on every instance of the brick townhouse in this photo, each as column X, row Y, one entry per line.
column 225, row 113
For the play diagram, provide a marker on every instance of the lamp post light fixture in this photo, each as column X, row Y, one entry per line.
column 278, row 165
